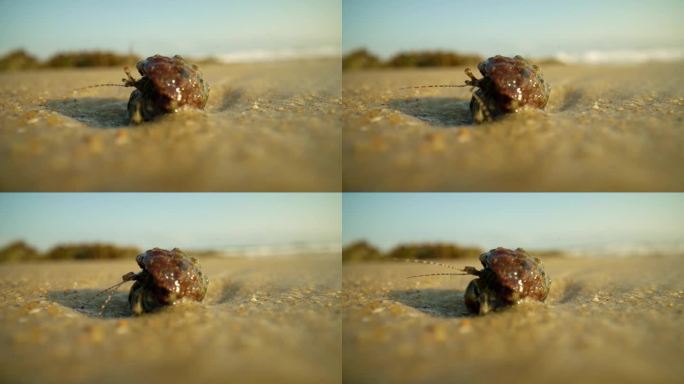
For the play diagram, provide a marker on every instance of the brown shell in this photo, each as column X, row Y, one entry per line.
column 520, row 275
column 178, row 83
column 519, row 81
column 175, row 273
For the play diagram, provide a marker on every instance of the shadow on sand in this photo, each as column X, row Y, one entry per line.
column 94, row 112
column 88, row 302
column 437, row 111
column 229, row 98
column 228, row 293
column 435, row 302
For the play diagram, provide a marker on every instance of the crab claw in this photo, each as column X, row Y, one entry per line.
column 473, row 80
column 129, row 276
column 129, row 81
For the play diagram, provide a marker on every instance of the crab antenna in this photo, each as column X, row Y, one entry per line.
column 438, row 86
column 418, row 261
column 439, row 274
column 117, row 285
column 109, row 297
column 100, row 85
column 104, row 304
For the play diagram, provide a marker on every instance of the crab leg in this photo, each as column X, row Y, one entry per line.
column 483, row 107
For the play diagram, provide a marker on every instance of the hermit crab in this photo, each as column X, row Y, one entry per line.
column 509, row 277
column 508, row 85
column 166, row 278
column 167, row 85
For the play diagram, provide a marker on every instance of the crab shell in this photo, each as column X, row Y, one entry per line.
column 167, row 84
column 167, row 277
column 509, row 85
column 508, row 278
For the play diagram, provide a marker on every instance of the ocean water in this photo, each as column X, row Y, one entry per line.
column 289, row 53
column 626, row 249
column 621, row 56
column 280, row 249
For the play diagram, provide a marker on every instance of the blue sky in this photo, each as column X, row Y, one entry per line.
column 196, row 27
column 536, row 220
column 203, row 27
column 199, row 220
column 529, row 27
column 205, row 220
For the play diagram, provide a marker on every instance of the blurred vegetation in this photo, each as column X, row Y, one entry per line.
column 21, row 251
column 203, row 253
column 18, row 251
column 90, row 251
column 81, row 59
column 19, row 59
column 434, row 251
column 547, row 61
column 362, row 250
column 546, row 253
column 432, row 59
column 362, row 59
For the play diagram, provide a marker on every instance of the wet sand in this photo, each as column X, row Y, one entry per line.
column 267, row 127
column 266, row 320
column 605, row 320
column 606, row 128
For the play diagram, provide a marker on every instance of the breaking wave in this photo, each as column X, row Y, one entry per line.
column 626, row 56
column 260, row 55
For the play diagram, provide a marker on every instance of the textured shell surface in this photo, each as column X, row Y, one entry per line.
column 177, row 274
column 514, row 82
column 175, row 83
column 519, row 274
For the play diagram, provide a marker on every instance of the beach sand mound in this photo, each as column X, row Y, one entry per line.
column 263, row 321
column 605, row 320
column 267, row 127
column 606, row 128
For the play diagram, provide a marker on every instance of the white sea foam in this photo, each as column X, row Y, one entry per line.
column 623, row 249
column 286, row 249
column 625, row 56
column 261, row 55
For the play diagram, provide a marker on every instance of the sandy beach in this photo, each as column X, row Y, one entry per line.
column 263, row 320
column 605, row 320
column 606, row 128
column 267, row 127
